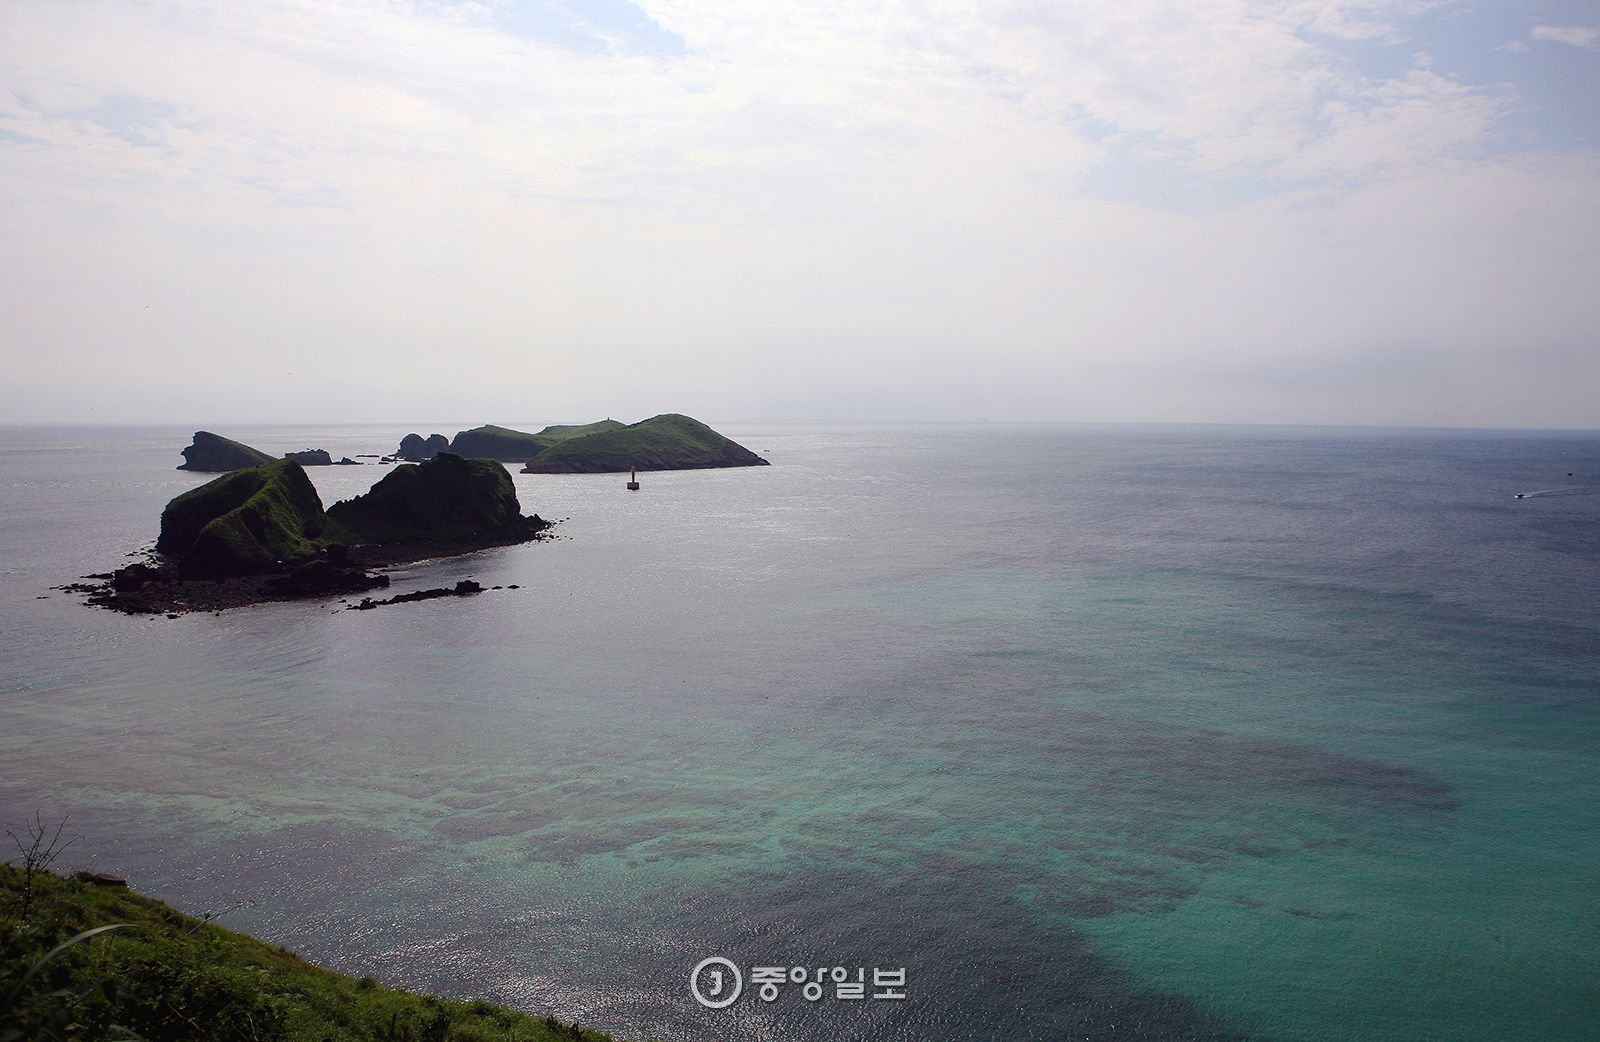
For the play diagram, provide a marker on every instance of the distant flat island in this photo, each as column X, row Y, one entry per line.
column 670, row 441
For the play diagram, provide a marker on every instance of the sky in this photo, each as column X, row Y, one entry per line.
column 1225, row 211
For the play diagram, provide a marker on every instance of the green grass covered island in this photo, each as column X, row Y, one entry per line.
column 252, row 520
column 163, row 976
column 671, row 441
column 261, row 533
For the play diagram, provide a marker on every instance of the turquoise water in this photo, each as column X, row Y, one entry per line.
column 1101, row 733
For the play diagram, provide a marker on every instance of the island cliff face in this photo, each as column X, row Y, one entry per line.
column 445, row 499
column 670, row 441
column 244, row 523
column 212, row 453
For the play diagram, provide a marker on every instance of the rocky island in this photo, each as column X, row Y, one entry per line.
column 670, row 441
column 214, row 454
column 414, row 449
column 314, row 458
column 261, row 533
column 501, row 443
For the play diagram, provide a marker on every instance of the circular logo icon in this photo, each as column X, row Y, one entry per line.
column 715, row 982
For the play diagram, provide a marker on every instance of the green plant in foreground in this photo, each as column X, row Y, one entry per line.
column 105, row 964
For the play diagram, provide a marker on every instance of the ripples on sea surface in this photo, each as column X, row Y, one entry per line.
column 1137, row 733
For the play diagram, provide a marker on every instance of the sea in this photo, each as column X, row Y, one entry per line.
column 965, row 732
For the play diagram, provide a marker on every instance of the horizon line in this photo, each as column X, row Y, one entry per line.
column 412, row 427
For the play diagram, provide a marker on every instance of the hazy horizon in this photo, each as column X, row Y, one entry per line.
column 453, row 427
column 1305, row 212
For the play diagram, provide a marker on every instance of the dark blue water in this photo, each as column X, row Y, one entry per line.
column 1099, row 733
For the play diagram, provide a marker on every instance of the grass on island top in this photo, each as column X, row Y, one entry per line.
column 161, row 975
column 567, row 431
column 668, row 432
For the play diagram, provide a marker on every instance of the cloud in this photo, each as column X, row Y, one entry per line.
column 1358, row 19
column 822, row 210
column 1587, row 37
column 826, row 99
column 1413, row 120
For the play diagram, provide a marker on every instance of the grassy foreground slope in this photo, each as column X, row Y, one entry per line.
column 168, row 976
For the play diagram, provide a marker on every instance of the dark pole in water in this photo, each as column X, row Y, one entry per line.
column 633, row 479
